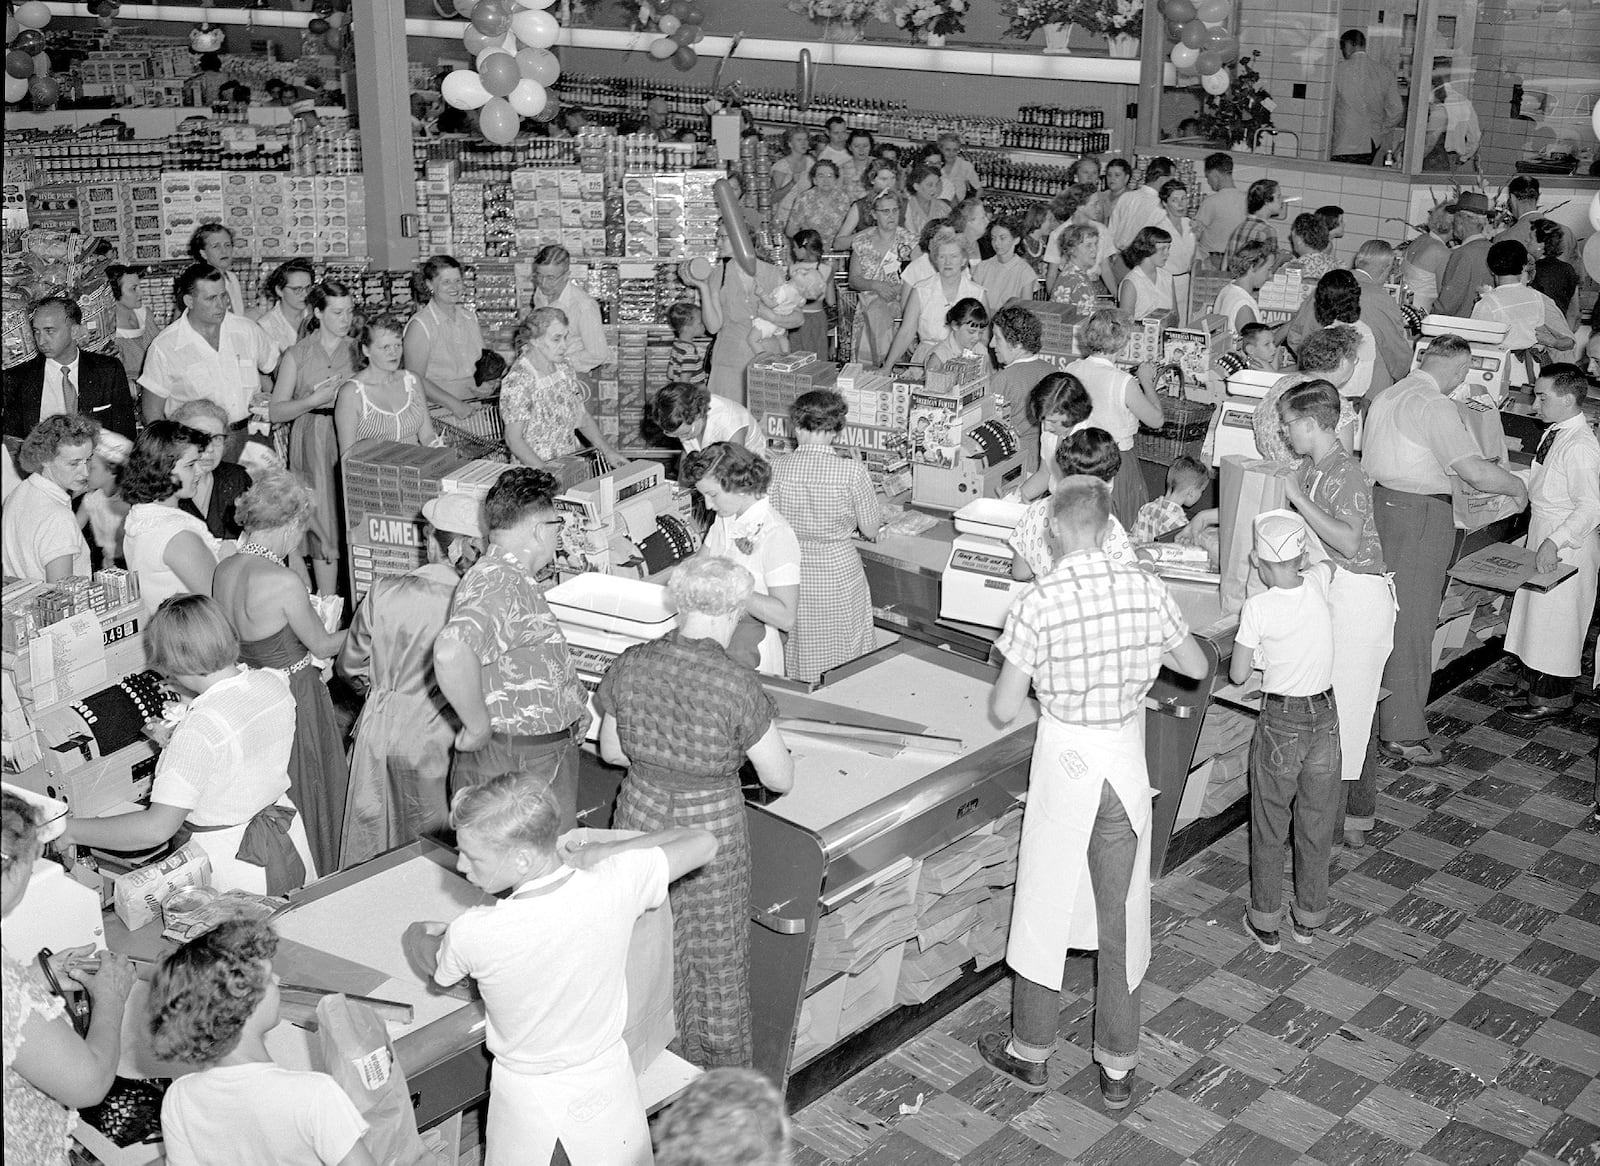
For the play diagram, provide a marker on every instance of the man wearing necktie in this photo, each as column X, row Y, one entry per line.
column 1547, row 630
column 63, row 378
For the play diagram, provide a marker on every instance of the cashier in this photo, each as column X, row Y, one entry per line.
column 1547, row 630
column 43, row 539
column 1416, row 447
column 586, row 348
column 223, row 775
column 696, row 417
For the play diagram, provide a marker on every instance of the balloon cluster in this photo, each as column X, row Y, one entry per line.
column 510, row 40
column 1201, row 44
column 679, row 23
column 105, row 12
column 27, row 64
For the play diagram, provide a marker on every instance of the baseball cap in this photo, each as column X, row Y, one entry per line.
column 1280, row 536
column 454, row 512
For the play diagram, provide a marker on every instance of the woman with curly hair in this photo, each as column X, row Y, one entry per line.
column 930, row 301
column 223, row 772
column 212, row 1003
column 269, row 608
column 877, row 179
column 171, row 549
column 42, row 536
column 542, row 399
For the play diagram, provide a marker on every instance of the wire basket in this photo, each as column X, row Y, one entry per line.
column 1186, row 421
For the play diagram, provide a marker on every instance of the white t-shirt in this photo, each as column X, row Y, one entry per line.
column 773, row 559
column 258, row 1115
column 40, row 527
column 1108, row 388
column 182, row 366
column 150, row 526
column 1291, row 632
column 1229, row 300
column 550, row 966
column 724, row 418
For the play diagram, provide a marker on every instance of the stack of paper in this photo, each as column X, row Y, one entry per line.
column 858, row 932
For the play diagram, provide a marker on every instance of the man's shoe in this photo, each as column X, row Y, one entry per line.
column 1509, row 691
column 1029, row 1075
column 1417, row 753
column 1537, row 714
column 1304, row 936
column 1265, row 940
column 1116, row 1092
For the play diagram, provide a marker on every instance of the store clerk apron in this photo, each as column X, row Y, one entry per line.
column 594, row 1109
column 1546, row 632
column 1363, row 609
column 1054, row 907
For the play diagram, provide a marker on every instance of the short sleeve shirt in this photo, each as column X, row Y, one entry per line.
column 1338, row 486
column 530, row 685
column 265, row 1116
column 1030, row 538
column 1249, row 231
column 724, row 418
column 1413, row 435
column 229, row 756
column 546, row 408
column 182, row 366
column 1156, row 518
column 1290, row 632
column 1091, row 634
column 39, row 527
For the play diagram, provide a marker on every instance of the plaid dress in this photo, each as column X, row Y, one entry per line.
column 686, row 714
column 826, row 498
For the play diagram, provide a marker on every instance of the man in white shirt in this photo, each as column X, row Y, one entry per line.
column 1366, row 102
column 959, row 176
column 208, row 353
column 835, row 151
column 1221, row 212
column 553, row 288
column 1140, row 208
column 1531, row 316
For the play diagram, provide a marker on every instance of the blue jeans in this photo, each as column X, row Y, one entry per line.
column 1036, row 1009
column 553, row 762
column 1294, row 774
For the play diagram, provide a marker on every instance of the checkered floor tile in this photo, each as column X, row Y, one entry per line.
column 1449, row 1013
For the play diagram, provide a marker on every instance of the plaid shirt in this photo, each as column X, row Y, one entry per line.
column 1248, row 232
column 1156, row 518
column 1091, row 634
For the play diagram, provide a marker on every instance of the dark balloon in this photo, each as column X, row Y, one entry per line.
column 683, row 60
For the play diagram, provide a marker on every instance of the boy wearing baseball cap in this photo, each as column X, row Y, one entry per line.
column 1287, row 632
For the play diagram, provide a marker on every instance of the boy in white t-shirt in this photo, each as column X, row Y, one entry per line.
column 550, row 961
column 239, row 1107
column 1287, row 632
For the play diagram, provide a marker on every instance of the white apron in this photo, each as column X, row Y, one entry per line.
column 230, row 874
column 1363, row 609
column 1054, row 908
column 1547, row 631
column 594, row 1109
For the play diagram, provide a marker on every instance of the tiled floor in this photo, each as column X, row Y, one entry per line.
column 1449, row 1014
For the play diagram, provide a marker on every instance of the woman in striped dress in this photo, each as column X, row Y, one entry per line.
column 827, row 499
column 382, row 400
column 683, row 716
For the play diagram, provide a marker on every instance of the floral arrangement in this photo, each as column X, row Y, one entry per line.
column 1108, row 18
column 1240, row 112
column 847, row 11
column 940, row 17
column 1026, row 17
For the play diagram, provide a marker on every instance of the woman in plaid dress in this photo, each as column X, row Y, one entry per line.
column 682, row 717
column 827, row 499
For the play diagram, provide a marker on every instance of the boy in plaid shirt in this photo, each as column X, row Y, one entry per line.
column 1186, row 482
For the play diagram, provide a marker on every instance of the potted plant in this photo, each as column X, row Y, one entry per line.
column 1025, row 17
column 1241, row 111
column 841, row 20
column 1119, row 21
column 932, row 20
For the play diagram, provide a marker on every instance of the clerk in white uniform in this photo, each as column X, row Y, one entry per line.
column 1089, row 637
column 553, row 288
column 1547, row 630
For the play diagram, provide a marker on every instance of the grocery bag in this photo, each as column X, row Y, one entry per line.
column 1245, row 488
column 1474, row 508
column 357, row 1053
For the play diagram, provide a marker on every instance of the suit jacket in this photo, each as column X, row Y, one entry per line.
column 103, row 394
column 1378, row 312
column 228, row 481
column 1467, row 271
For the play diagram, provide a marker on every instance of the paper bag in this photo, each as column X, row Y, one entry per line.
column 1474, row 508
column 138, row 895
column 1245, row 487
column 354, row 1042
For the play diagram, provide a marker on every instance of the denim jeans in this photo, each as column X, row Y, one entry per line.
column 554, row 762
column 1294, row 774
column 1359, row 799
column 1036, row 1009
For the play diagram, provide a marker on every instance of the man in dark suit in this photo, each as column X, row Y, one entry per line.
column 63, row 378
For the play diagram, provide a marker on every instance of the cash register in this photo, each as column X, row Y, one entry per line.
column 1235, row 428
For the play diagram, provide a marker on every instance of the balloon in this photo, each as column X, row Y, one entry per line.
column 463, row 89
column 1594, row 203
column 499, row 122
column 669, row 24
column 490, row 18
column 684, row 58
column 1183, row 57
column 318, row 26
column 106, row 21
column 465, row 7
column 552, row 106
column 1228, row 50
column 16, row 89
column 1216, row 83
column 44, row 91
column 1208, row 62
column 30, row 41
column 677, row 8
column 499, row 74
column 41, row 64
column 537, row 30
column 1214, row 11
column 527, row 98
column 1194, row 35
column 475, row 42
column 18, row 65
column 496, row 47
column 691, row 34
column 539, row 65
column 1216, row 38
column 1161, row 7
column 805, row 75
column 33, row 14
column 692, row 13
column 540, row 4
column 12, row 28
column 739, row 245
column 1180, row 11
column 1174, row 31
column 663, row 48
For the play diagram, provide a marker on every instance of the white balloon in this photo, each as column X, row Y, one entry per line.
column 463, row 89
column 535, row 4
column 535, row 29
column 1216, row 83
column 1591, row 254
column 1594, row 203
column 528, row 98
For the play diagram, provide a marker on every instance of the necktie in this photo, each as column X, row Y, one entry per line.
column 69, row 395
column 1545, row 443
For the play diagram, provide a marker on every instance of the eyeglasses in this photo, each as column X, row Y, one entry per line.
column 297, row 287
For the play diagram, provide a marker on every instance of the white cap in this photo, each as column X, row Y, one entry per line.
column 1280, row 536
column 454, row 512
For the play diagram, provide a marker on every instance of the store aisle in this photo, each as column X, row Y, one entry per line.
column 1449, row 1014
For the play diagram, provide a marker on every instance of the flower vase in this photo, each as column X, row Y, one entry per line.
column 1058, row 39
column 1123, row 46
column 842, row 31
column 935, row 40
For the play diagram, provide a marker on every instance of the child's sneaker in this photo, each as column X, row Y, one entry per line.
column 1305, row 936
column 1265, row 940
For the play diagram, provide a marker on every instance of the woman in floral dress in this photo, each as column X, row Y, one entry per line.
column 541, row 398
column 877, row 256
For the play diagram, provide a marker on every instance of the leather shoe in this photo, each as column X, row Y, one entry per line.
column 1420, row 753
column 1509, row 691
column 1029, row 1075
column 1534, row 714
column 1116, row 1092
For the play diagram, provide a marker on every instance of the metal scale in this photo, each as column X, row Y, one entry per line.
column 1491, row 360
column 1236, row 432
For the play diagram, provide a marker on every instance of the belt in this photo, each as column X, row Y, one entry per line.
column 565, row 734
column 1445, row 498
column 238, row 425
column 1315, row 700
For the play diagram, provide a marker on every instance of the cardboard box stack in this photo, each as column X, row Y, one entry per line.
column 561, row 204
column 385, row 485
